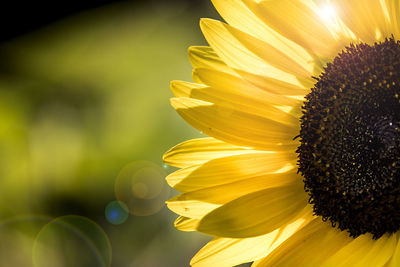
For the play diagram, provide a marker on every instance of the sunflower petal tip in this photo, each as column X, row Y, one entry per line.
column 165, row 156
column 191, row 49
column 205, row 22
column 172, row 84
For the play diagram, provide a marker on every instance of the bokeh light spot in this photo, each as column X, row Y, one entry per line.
column 140, row 190
column 71, row 241
column 18, row 235
column 117, row 212
column 141, row 186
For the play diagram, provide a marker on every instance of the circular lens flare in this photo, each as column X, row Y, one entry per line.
column 71, row 241
column 117, row 212
column 18, row 235
column 141, row 186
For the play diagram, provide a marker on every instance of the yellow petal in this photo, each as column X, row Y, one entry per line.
column 185, row 89
column 225, row 95
column 227, row 83
column 263, row 50
column 191, row 208
column 395, row 260
column 275, row 86
column 222, row 194
column 226, row 252
column 237, row 14
column 307, row 247
column 255, row 214
column 230, row 96
column 186, row 224
column 205, row 57
column 229, row 169
column 234, row 251
column 365, row 18
column 235, row 54
column 235, row 126
column 199, row 151
column 393, row 7
column 364, row 251
column 297, row 21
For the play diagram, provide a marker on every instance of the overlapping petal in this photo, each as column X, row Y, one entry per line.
column 235, row 126
column 222, row 94
column 235, row 54
column 308, row 247
column 229, row 169
column 186, row 224
column 199, row 151
column 194, row 209
column 237, row 14
column 300, row 23
column 393, row 8
column 368, row 19
column 231, row 84
column 224, row 193
column 205, row 57
column 364, row 251
column 233, row 251
column 255, row 214
column 224, row 252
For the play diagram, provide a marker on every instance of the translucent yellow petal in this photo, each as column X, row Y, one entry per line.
column 227, row 252
column 191, row 208
column 365, row 18
column 230, row 96
column 393, row 8
column 229, row 169
column 185, row 89
column 263, row 50
column 297, row 21
column 255, row 214
column 234, row 251
column 206, row 58
column 237, row 14
column 225, row 95
column 222, row 194
column 275, row 86
column 300, row 221
column 235, row 54
column 235, row 126
column 225, row 82
column 199, row 151
column 395, row 260
column 186, row 224
column 307, row 247
column 196, row 78
column 364, row 251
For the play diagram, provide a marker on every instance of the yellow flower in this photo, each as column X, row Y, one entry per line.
column 300, row 99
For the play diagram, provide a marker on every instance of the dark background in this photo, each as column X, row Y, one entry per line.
column 18, row 18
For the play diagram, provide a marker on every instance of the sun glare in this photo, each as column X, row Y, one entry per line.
column 327, row 12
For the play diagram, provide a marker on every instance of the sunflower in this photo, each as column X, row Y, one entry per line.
column 300, row 100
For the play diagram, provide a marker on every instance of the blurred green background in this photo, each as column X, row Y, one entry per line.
column 84, row 121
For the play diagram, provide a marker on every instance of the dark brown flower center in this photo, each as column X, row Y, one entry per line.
column 349, row 155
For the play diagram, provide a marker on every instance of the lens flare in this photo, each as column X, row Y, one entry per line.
column 71, row 241
column 141, row 186
column 117, row 212
column 18, row 235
